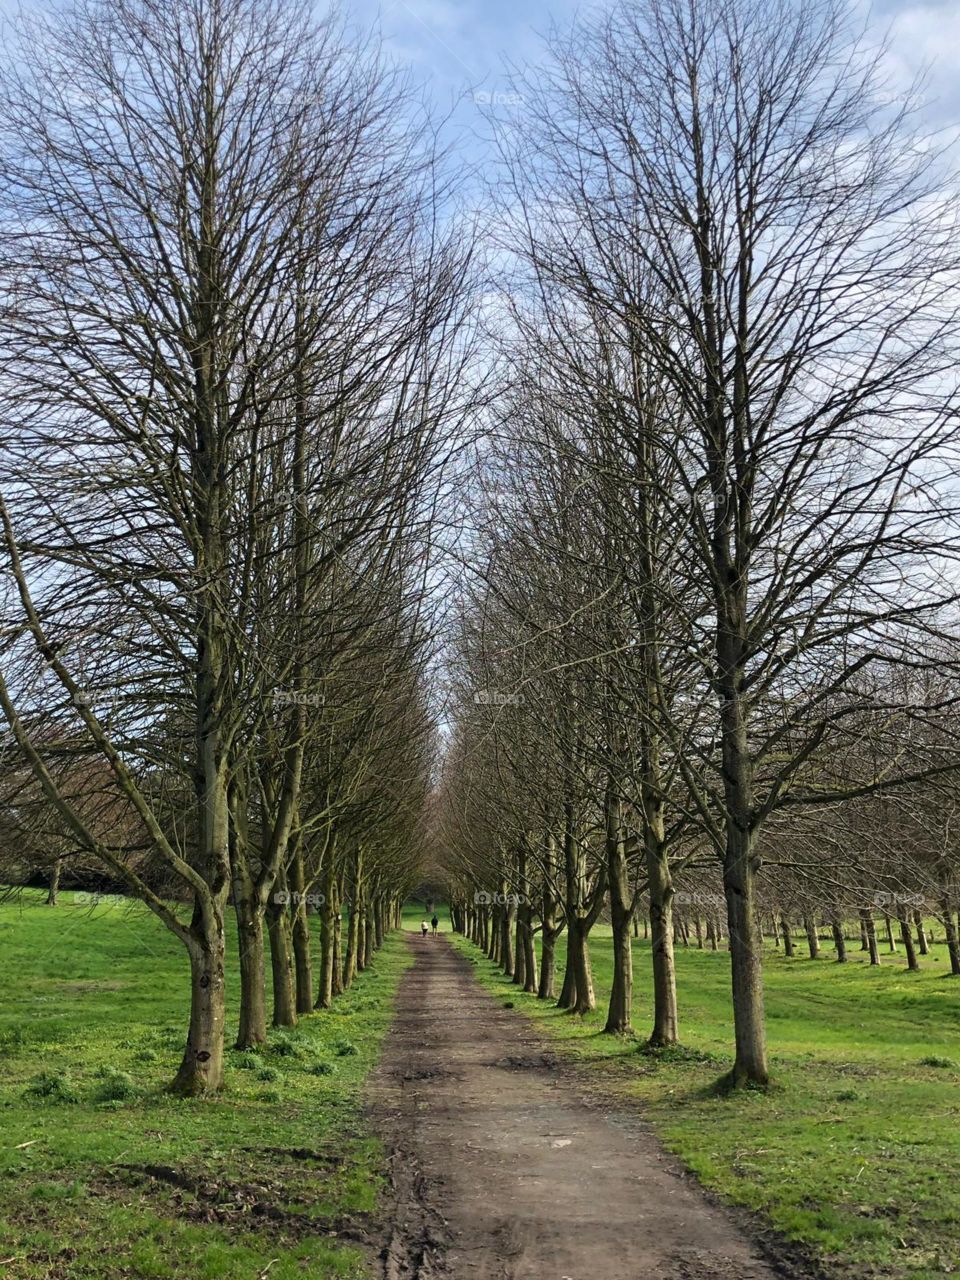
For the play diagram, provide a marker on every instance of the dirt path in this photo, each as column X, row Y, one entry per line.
column 502, row 1171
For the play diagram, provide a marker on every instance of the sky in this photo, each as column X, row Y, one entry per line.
column 457, row 48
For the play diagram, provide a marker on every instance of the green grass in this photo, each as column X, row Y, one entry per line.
column 92, row 1024
column 854, row 1151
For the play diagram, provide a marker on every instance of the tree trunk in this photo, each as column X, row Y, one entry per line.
column 378, row 929
column 53, row 882
column 303, row 966
column 921, row 934
column 530, row 984
column 746, row 961
column 201, row 1069
column 953, row 940
column 353, row 931
column 248, row 906
column 891, row 941
column 620, row 1009
column 568, row 990
column 813, row 941
column 787, row 936
column 870, row 931
column 585, row 1000
column 325, row 985
column 839, row 941
column 336, row 978
column 546, row 988
column 507, row 958
column 350, row 963
column 253, row 997
column 906, row 935
column 281, row 955
column 520, row 952
column 666, row 1029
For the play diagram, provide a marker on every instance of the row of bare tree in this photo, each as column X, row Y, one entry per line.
column 232, row 369
column 709, row 626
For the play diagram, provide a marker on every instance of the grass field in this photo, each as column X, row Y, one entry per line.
column 103, row 1174
column 854, row 1150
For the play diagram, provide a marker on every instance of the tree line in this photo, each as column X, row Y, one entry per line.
column 235, row 340
column 707, row 631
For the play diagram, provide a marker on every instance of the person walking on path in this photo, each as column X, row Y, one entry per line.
column 435, row 922
column 423, row 927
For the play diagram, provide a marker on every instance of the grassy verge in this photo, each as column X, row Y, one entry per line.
column 103, row 1174
column 855, row 1149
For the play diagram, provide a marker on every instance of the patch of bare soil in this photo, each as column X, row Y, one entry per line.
column 500, row 1170
column 240, row 1206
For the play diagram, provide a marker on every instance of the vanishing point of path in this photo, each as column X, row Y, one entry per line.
column 502, row 1170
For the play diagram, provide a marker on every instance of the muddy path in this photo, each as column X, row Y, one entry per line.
column 503, row 1169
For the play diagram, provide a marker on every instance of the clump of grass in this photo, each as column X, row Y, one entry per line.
column 284, row 1045
column 12, row 1040
column 269, row 1095
column 247, row 1061
column 269, row 1073
column 933, row 1061
column 672, row 1054
column 344, row 1048
column 146, row 1055
column 848, row 1095
column 322, row 1069
column 115, row 1086
column 52, row 1086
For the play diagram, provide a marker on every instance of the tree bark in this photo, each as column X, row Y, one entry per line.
column 53, row 882
column 281, row 955
column 336, row 978
column 746, row 952
column 586, row 1000
column 253, row 998
column 507, row 957
column 869, row 930
column 550, row 930
column 201, row 1069
column 303, row 964
column 620, row 1009
column 666, row 1027
column 891, row 941
column 906, row 935
column 921, row 933
column 813, row 941
column 324, row 998
column 787, row 936
column 839, row 941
